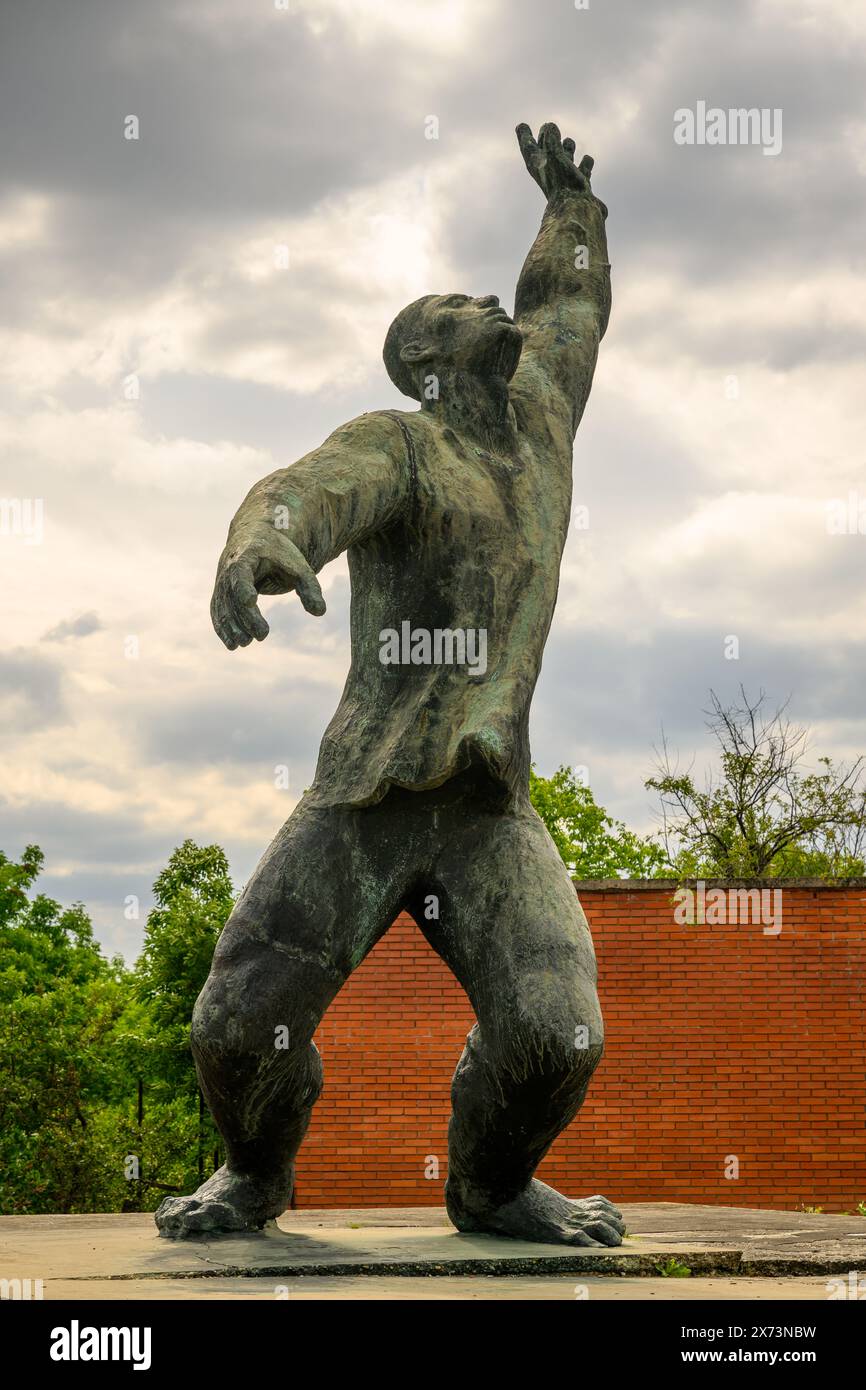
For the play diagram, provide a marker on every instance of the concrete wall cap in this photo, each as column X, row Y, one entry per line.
column 670, row 885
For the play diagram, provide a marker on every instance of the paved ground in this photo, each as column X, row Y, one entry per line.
column 461, row 1289
column 412, row 1253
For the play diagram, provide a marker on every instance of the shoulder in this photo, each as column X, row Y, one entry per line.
column 375, row 432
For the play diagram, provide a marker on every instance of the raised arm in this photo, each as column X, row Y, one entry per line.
column 562, row 303
column 297, row 519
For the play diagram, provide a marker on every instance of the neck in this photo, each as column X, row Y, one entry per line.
column 476, row 407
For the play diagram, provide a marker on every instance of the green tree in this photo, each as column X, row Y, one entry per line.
column 39, row 940
column 60, row 1068
column 84, row 1039
column 193, row 897
column 763, row 812
column 592, row 843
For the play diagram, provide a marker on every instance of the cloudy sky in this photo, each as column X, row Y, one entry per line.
column 157, row 358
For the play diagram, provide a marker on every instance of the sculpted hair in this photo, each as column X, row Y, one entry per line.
column 406, row 326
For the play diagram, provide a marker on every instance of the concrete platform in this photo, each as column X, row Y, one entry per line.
column 445, row 1288
column 390, row 1253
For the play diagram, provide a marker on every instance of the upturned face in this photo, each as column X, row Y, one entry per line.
column 472, row 335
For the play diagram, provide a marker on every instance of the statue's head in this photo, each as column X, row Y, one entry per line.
column 441, row 333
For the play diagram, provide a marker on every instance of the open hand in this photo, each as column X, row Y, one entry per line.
column 258, row 561
column 550, row 160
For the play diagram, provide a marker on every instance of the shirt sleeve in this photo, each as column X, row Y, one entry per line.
column 353, row 485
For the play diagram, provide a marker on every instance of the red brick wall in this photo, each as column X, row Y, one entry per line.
column 720, row 1041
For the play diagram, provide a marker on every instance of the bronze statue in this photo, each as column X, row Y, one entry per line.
column 454, row 518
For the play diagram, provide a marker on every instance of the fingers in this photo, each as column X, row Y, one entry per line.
column 228, row 632
column 234, row 610
column 550, row 140
column 286, row 568
column 244, row 600
column 235, row 622
column 308, row 588
column 549, row 137
column 532, row 155
column 561, row 153
column 525, row 140
column 550, row 159
column 227, row 629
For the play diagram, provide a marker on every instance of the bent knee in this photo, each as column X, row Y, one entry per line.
column 241, row 1012
column 211, row 1017
column 557, row 1034
column 273, row 1061
column 561, row 1057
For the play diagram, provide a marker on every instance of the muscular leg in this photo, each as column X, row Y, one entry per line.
column 328, row 887
column 513, row 932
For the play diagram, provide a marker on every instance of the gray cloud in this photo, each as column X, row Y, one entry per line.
column 115, row 858
column 31, row 693
column 82, row 626
column 251, row 121
column 604, row 701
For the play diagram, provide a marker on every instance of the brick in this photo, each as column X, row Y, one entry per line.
column 719, row 1041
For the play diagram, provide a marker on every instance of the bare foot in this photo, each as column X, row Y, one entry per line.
column 541, row 1214
column 226, row 1202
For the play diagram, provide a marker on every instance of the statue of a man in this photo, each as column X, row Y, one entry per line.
column 454, row 518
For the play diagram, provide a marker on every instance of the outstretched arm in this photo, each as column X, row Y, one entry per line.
column 563, row 294
column 297, row 519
